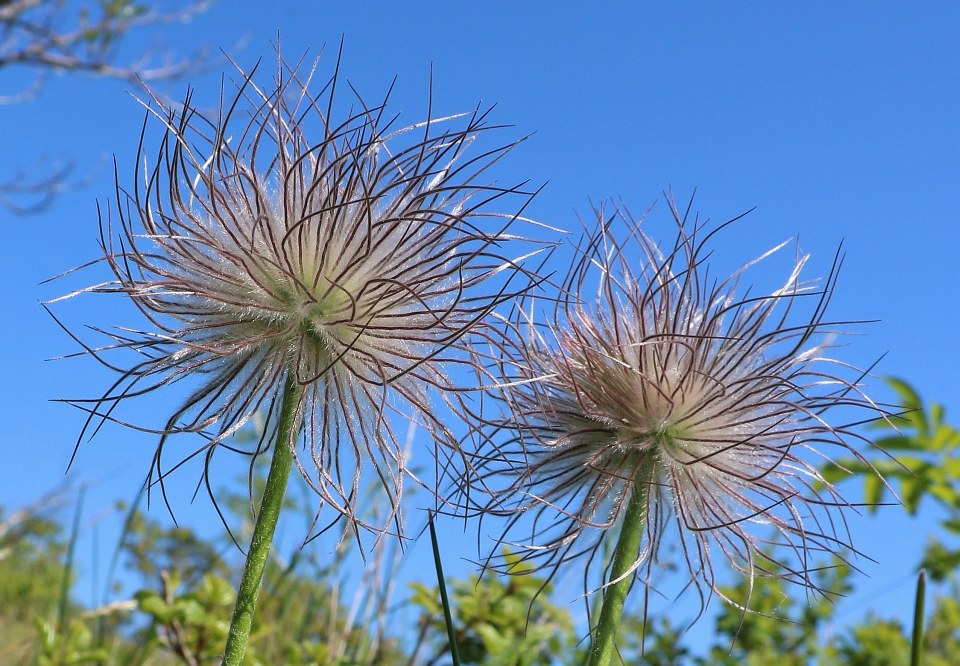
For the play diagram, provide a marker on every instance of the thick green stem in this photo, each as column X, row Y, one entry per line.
column 624, row 557
column 273, row 492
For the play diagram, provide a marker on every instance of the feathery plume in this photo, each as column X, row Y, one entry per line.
column 704, row 406
column 285, row 238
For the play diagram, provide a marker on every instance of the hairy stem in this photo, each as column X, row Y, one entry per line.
column 624, row 557
column 273, row 492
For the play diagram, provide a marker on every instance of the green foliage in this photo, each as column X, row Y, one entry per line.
column 31, row 570
column 191, row 625
column 778, row 628
column 926, row 462
column 881, row 642
column 938, row 561
column 875, row 642
column 181, row 612
column 153, row 550
column 31, row 548
column 75, row 645
column 300, row 617
column 105, row 30
column 942, row 634
column 658, row 641
column 498, row 620
column 922, row 460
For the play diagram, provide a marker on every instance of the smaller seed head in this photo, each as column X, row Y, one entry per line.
column 714, row 403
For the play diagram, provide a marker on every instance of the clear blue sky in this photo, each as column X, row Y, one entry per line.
column 838, row 121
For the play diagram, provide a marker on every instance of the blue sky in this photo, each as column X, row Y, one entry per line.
column 837, row 121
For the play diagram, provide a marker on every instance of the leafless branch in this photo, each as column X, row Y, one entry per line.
column 85, row 37
column 28, row 193
column 43, row 35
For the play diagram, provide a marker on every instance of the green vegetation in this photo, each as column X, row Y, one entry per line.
column 181, row 611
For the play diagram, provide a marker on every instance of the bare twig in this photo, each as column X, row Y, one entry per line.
column 41, row 34
column 85, row 37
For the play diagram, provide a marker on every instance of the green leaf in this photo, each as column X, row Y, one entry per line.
column 912, row 489
column 155, row 606
column 913, row 465
column 425, row 597
column 191, row 612
column 952, row 525
column 944, row 438
column 48, row 633
column 873, row 489
column 908, row 396
column 899, row 443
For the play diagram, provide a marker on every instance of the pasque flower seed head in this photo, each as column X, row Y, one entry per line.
column 285, row 235
column 652, row 376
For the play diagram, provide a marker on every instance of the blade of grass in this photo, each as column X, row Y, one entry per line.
column 63, row 608
column 125, row 532
column 916, row 649
column 444, row 600
column 111, row 574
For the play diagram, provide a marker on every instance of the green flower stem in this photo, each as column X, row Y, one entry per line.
column 624, row 557
column 265, row 526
